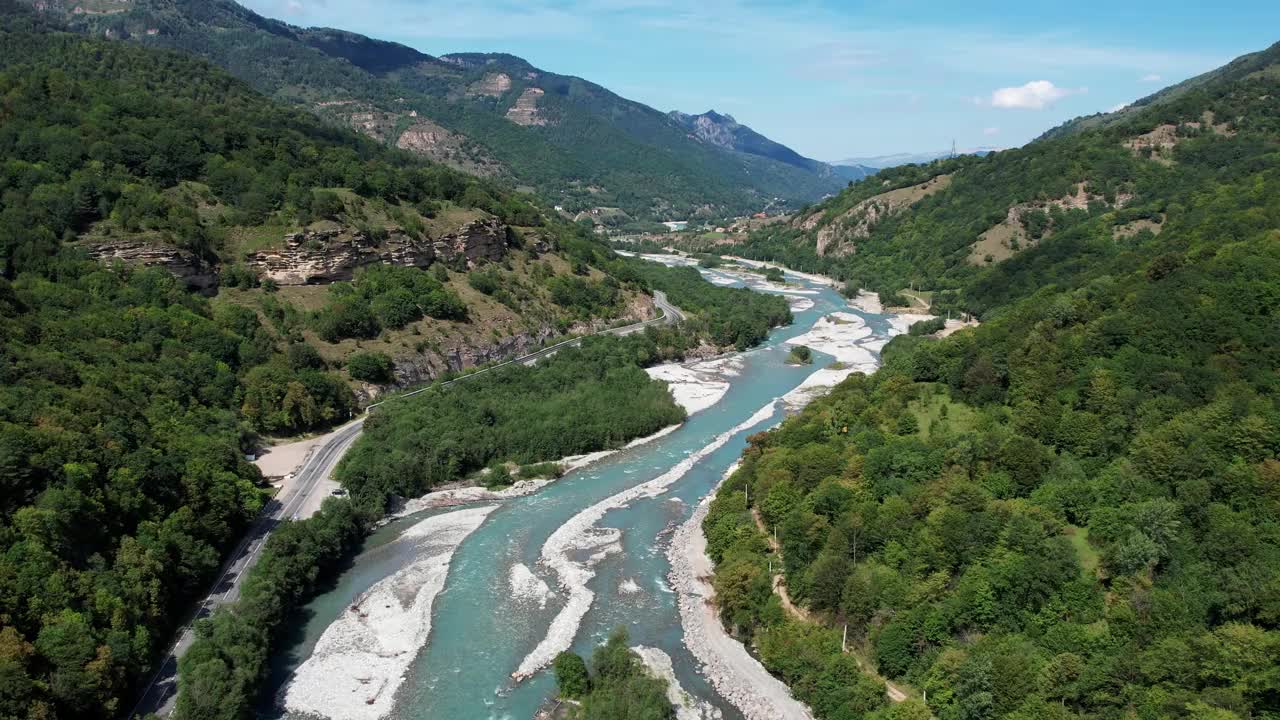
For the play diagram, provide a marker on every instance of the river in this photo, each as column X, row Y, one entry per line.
column 482, row 628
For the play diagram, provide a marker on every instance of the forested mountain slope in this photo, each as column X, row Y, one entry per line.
column 577, row 143
column 1073, row 510
column 965, row 229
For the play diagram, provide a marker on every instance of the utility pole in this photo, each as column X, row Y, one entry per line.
column 844, row 639
column 953, row 147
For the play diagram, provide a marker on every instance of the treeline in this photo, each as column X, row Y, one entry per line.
column 1067, row 512
column 620, row 688
column 221, row 674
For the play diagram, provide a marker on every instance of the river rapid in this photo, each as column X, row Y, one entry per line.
column 563, row 566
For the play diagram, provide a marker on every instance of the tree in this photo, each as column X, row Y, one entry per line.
column 909, row 709
column 372, row 367
column 396, row 308
column 303, row 356
column 827, row 578
column 326, row 204
column 571, row 675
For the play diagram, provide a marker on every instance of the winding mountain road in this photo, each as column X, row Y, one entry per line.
column 161, row 693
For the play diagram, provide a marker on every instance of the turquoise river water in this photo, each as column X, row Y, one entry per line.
column 480, row 633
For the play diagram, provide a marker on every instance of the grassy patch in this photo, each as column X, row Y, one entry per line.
column 254, row 238
column 938, row 413
column 541, row 470
column 1084, row 551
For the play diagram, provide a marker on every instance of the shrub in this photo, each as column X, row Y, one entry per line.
column 800, row 355
column 486, row 280
column 373, row 367
column 303, row 356
column 348, row 317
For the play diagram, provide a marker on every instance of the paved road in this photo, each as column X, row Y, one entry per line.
column 162, row 691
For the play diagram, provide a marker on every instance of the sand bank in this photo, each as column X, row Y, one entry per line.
column 360, row 661
column 811, row 277
column 694, row 387
column 475, row 494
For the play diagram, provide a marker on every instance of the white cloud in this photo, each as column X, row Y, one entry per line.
column 991, row 131
column 1035, row 95
column 1151, row 78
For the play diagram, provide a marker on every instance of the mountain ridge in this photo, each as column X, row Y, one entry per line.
column 570, row 139
column 1260, row 61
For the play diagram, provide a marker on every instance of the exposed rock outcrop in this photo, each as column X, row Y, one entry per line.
column 1159, row 143
column 835, row 236
column 492, row 85
column 430, row 140
column 424, row 367
column 322, row 256
column 474, row 242
column 1004, row 239
column 525, row 111
column 181, row 264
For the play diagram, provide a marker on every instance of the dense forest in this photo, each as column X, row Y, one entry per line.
column 728, row 317
column 1073, row 510
column 107, row 132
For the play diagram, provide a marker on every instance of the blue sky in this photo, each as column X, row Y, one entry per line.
column 839, row 79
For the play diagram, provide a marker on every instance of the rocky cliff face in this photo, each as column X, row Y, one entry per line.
column 325, row 256
column 181, row 264
column 425, row 367
column 422, row 368
column 474, row 242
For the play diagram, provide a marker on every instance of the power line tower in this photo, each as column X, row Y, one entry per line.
column 953, row 148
